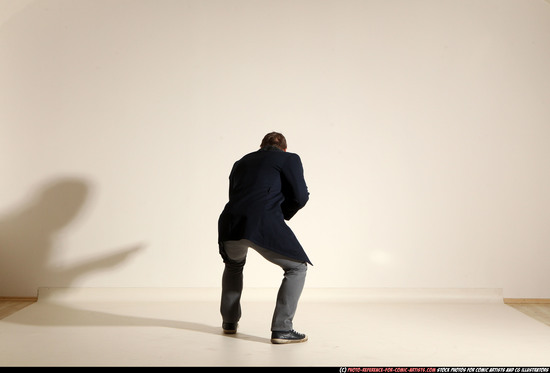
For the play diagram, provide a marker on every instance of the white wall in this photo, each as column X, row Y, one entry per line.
column 423, row 127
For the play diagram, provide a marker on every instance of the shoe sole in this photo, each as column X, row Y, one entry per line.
column 226, row 331
column 280, row 341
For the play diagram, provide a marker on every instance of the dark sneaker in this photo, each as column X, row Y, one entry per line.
column 229, row 328
column 290, row 336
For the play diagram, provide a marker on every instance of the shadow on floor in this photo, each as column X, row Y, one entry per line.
column 53, row 314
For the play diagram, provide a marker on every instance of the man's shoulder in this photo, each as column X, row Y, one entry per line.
column 280, row 157
column 271, row 153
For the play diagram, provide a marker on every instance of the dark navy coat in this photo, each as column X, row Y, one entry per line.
column 266, row 188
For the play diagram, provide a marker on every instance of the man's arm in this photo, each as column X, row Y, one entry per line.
column 294, row 187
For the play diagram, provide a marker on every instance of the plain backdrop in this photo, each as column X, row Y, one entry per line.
column 423, row 127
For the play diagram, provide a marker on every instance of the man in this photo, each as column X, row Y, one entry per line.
column 266, row 187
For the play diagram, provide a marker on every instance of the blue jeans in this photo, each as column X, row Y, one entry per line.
column 232, row 283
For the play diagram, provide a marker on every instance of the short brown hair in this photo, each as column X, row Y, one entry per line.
column 274, row 139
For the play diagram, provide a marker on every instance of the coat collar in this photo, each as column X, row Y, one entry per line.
column 271, row 148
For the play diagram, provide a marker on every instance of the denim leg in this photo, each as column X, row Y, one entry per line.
column 288, row 297
column 289, row 292
column 290, row 289
column 232, row 280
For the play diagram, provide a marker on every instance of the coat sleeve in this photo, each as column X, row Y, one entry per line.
column 294, row 187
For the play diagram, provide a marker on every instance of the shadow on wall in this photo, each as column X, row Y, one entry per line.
column 28, row 236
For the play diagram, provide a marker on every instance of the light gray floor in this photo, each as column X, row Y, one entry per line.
column 343, row 331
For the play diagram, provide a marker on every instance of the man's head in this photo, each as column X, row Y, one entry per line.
column 274, row 139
